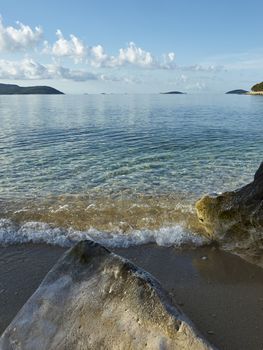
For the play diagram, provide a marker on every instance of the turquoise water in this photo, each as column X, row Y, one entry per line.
column 145, row 149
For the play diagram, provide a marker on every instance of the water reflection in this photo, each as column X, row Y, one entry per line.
column 150, row 144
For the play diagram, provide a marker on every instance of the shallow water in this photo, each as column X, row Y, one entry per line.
column 120, row 166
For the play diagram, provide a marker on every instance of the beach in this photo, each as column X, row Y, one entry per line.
column 219, row 292
column 131, row 175
column 126, row 172
column 255, row 93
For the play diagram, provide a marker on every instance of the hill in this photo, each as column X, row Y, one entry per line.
column 237, row 92
column 258, row 87
column 10, row 89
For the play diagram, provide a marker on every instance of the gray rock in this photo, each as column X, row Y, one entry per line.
column 94, row 299
column 235, row 219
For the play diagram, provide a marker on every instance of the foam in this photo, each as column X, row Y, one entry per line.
column 39, row 232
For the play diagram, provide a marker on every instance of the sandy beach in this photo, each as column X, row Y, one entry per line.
column 220, row 293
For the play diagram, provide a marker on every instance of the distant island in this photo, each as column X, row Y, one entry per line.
column 173, row 93
column 10, row 89
column 237, row 92
column 256, row 89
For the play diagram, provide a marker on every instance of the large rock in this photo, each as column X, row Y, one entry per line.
column 94, row 299
column 235, row 219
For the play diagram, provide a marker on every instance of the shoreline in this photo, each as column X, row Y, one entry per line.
column 255, row 93
column 219, row 292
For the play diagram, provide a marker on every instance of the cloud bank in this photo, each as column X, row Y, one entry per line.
column 132, row 55
column 92, row 62
column 28, row 69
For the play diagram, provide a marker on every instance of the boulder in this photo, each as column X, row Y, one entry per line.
column 94, row 299
column 235, row 219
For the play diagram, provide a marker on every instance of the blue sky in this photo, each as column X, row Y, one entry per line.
column 132, row 46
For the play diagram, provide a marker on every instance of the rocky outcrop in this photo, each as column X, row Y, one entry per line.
column 235, row 219
column 94, row 299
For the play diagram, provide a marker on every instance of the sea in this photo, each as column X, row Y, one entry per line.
column 121, row 169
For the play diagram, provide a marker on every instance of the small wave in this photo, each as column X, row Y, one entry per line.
column 122, row 212
column 39, row 232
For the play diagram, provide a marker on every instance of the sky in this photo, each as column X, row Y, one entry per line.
column 132, row 46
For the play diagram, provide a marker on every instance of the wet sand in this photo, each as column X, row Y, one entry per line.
column 221, row 293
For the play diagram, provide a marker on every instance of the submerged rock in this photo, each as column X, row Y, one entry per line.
column 235, row 219
column 94, row 299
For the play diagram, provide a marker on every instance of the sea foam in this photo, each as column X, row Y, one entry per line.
column 39, row 232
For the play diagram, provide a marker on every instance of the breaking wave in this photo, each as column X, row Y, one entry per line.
column 39, row 232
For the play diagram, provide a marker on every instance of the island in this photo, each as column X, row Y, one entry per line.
column 237, row 92
column 257, row 89
column 11, row 89
column 173, row 93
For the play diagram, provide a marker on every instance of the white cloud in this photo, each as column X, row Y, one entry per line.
column 135, row 56
column 73, row 48
column 28, row 69
column 96, row 56
column 21, row 38
column 132, row 55
column 202, row 68
column 196, row 86
column 125, row 79
column 169, row 61
column 183, row 78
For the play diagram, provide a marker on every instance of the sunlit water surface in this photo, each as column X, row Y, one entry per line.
column 121, row 169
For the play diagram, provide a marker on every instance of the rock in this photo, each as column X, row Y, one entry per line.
column 94, row 299
column 235, row 219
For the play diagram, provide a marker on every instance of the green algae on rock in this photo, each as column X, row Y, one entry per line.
column 235, row 219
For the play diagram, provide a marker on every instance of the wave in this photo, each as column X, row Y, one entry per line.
column 40, row 232
column 121, row 212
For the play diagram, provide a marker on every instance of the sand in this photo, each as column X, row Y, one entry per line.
column 221, row 293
